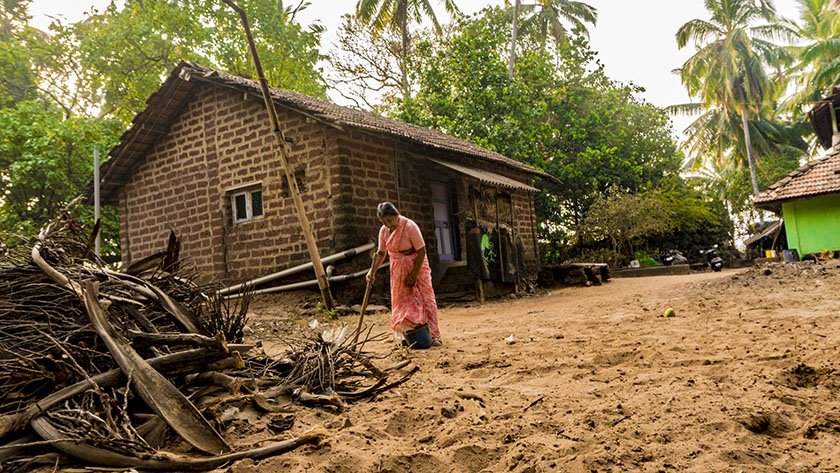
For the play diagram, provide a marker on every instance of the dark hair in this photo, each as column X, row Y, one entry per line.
column 386, row 209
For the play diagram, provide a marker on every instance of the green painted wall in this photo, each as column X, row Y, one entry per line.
column 813, row 225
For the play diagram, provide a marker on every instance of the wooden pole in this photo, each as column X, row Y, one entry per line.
column 365, row 301
column 96, row 196
column 282, row 152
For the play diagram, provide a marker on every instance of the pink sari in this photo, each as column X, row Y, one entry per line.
column 411, row 306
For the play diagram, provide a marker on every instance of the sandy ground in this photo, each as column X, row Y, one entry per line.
column 745, row 378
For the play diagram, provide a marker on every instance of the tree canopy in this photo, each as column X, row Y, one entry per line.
column 559, row 113
column 78, row 85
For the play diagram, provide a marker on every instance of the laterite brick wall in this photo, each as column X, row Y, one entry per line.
column 366, row 174
column 221, row 142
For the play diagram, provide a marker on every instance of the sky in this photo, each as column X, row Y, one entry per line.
column 634, row 38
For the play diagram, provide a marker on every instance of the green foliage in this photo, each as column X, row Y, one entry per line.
column 623, row 218
column 645, row 260
column 729, row 76
column 123, row 53
column 545, row 19
column 17, row 42
column 697, row 217
column 817, row 66
column 678, row 215
column 62, row 93
column 395, row 15
column 561, row 114
column 46, row 160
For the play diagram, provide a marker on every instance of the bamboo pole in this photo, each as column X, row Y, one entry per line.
column 302, row 284
column 294, row 270
column 282, row 152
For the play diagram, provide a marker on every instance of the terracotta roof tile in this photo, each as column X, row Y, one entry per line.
column 329, row 111
column 817, row 177
column 164, row 106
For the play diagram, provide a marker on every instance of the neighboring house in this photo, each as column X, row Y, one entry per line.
column 809, row 197
column 201, row 160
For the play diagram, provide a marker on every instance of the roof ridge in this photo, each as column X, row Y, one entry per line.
column 369, row 120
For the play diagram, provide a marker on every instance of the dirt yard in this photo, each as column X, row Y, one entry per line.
column 745, row 377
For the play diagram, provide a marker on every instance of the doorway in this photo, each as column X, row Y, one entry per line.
column 442, row 203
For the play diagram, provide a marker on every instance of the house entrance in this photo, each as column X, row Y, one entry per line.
column 442, row 203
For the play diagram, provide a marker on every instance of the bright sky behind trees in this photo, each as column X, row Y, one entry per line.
column 634, row 39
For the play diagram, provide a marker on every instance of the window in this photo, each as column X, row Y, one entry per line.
column 247, row 204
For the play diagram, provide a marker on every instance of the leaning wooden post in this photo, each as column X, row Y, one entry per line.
column 283, row 152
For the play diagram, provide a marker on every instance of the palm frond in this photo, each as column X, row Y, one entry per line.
column 696, row 31
column 685, row 109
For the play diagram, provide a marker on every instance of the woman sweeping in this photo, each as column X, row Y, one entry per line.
column 413, row 305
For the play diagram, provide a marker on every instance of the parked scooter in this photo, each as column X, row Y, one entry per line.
column 713, row 259
column 672, row 257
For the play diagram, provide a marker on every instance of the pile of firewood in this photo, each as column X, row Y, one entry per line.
column 98, row 367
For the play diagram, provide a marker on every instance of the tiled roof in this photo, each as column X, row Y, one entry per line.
column 164, row 106
column 817, row 177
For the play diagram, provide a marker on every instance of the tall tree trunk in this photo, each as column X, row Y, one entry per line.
column 513, row 35
column 750, row 157
column 403, row 12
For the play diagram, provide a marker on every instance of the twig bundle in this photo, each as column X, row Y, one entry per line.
column 99, row 363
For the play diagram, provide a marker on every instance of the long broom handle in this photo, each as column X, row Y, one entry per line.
column 362, row 312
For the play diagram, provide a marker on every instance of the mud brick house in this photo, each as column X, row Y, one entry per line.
column 809, row 197
column 200, row 160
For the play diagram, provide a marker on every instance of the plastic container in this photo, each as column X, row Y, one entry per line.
column 420, row 337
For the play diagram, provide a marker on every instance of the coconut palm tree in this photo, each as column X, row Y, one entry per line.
column 396, row 15
column 728, row 71
column 514, row 33
column 546, row 19
column 817, row 67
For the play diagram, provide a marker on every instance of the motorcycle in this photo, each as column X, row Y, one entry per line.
column 672, row 257
column 713, row 259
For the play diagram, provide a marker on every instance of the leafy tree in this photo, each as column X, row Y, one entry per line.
column 697, row 217
column 623, row 218
column 46, row 161
column 119, row 56
column 396, row 15
column 712, row 137
column 12, row 16
column 17, row 40
column 367, row 69
column 64, row 92
column 728, row 69
column 684, row 215
column 560, row 114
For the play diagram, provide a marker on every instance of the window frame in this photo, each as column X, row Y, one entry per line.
column 248, row 193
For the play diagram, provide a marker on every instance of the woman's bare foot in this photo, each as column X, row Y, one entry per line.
column 436, row 342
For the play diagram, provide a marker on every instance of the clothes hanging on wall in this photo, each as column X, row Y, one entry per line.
column 476, row 262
